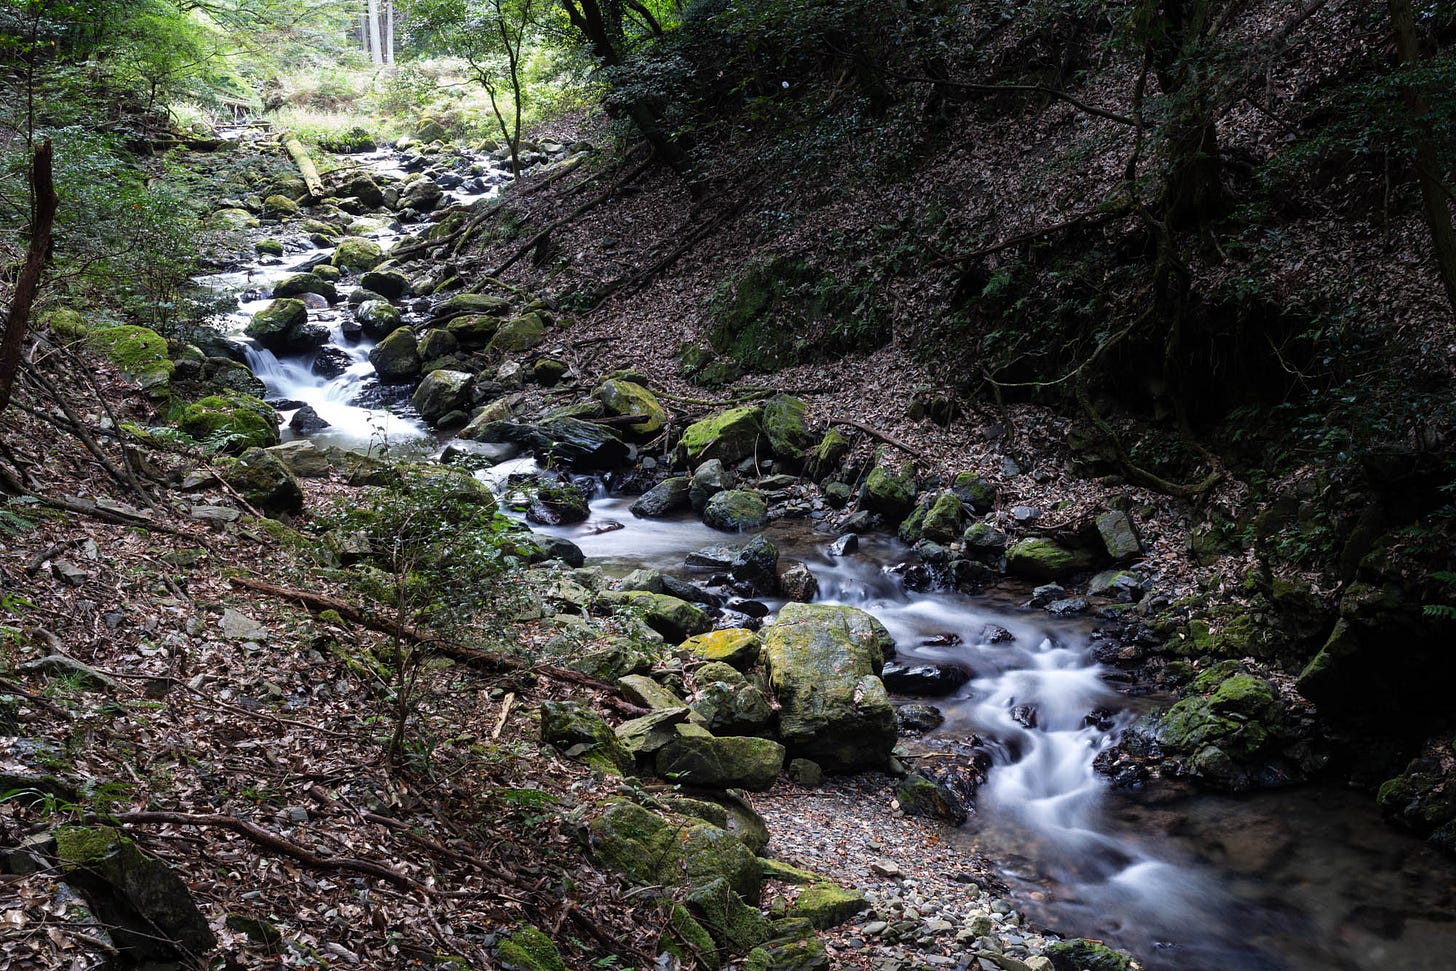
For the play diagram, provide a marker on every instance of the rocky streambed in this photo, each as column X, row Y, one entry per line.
column 829, row 611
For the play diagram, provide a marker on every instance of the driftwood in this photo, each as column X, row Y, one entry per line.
column 304, row 161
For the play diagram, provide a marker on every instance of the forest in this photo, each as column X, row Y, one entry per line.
column 728, row 484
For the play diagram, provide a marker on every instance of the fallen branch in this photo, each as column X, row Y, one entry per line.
column 1095, row 218
column 114, row 516
column 262, row 837
column 306, row 168
column 876, row 433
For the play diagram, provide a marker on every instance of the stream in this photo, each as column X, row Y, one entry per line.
column 1307, row 878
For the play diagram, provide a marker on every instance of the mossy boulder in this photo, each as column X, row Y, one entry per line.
column 734, row 646
column 377, row 318
column 263, row 479
column 734, row 924
column 473, row 330
column 732, row 762
column 729, row 436
column 784, row 425
column 1235, row 737
column 732, row 707
column 825, row 458
column 519, row 333
column 690, row 943
column 736, row 510
column 144, row 905
column 527, row 949
column 944, row 519
column 357, row 254
column 474, row 303
column 1119, row 536
column 442, row 392
column 283, row 327
column 975, row 491
column 676, row 620
column 581, row 734
column 391, row 284
column 823, row 661
column 139, row 351
column 825, row 905
column 232, row 218
column 628, row 398
column 890, row 491
column 1423, row 796
column 668, row 496
column 397, row 358
column 1083, row 955
column 1040, row 558
column 268, row 247
column 649, row 848
column 280, row 206
column 300, row 283
column 238, row 421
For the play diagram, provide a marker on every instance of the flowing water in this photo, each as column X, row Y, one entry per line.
column 1305, row 879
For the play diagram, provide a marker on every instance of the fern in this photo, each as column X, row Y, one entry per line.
column 12, row 524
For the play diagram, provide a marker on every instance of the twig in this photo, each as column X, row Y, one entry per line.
column 876, row 433
column 505, row 713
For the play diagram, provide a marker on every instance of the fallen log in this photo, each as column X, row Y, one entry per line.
column 304, row 161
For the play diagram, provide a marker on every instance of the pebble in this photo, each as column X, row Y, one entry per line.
column 875, row 927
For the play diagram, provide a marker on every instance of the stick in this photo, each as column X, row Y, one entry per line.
column 505, row 713
column 876, row 433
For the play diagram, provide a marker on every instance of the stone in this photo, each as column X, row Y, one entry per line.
column 282, row 327
column 798, row 583
column 844, row 545
column 377, row 317
column 756, row 563
column 729, row 436
column 920, row 795
column 1038, row 558
column 919, row 717
column 301, row 283
column 709, row 479
column 304, row 459
column 923, row 679
column 735, row 646
column 650, row 849
column 730, row 762
column 306, row 421
column 647, row 693
column 390, row 284
column 629, row 399
column 582, row 734
column 280, row 207
column 437, row 345
column 822, row 661
column 396, row 359
column 527, row 949
column 1083, row 955
column 942, row 521
column 668, row 496
column 264, row 482
column 519, row 333
column 232, row 421
column 975, row 491
column 827, row 905
column 649, row 733
column 806, row 772
column 983, row 539
column 237, row 626
column 558, row 503
column 474, row 303
column 735, row 510
column 232, row 218
column 676, row 620
column 357, row 254
column 784, row 426
column 80, row 674
column 580, row 444
column 442, row 392
column 735, row 925
column 1119, row 536
column 732, row 709
column 889, row 492
column 145, row 906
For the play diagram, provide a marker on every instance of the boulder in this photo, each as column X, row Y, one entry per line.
column 975, row 491
column 798, row 582
column 265, row 482
column 440, row 393
column 301, row 283
column 919, row 717
column 757, row 564
column 627, row 398
column 377, row 317
column 734, row 646
column 390, row 284
column 735, row 510
column 580, row 444
column 1038, row 558
column 581, row 734
column 280, row 207
column 1119, row 536
column 304, row 459
column 889, row 492
column 825, row 905
column 668, row 496
column 396, row 359
column 709, row 479
column 676, row 620
column 651, row 849
column 358, row 254
column 527, row 949
column 519, row 333
column 733, row 762
column 919, row 795
column 922, row 679
column 822, row 662
column 783, row 425
column 825, row 458
column 232, row 219
column 943, row 520
column 236, row 421
column 557, row 503
column 139, row 351
column 474, row 303
column 732, row 709
column 282, row 327
column 729, row 436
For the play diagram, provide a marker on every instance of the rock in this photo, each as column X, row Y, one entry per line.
column 1082, row 955
column 783, row 425
column 919, row 717
column 235, row 219
column 282, row 327
column 983, row 540
column 888, row 492
column 732, row 923
column 280, row 207
column 474, row 303
column 237, row 626
column 712, row 557
column 357, row 254
column 735, row 646
column 440, row 393
column 560, row 548
column 519, row 333
column 1124, row 586
column 579, row 444
column 826, row 905
column 806, row 772
column 377, row 317
column 1119, row 536
column 396, row 359
column 139, row 351
column 647, row 693
column 301, row 283
column 1068, row 607
column 649, row 733
column 732, row 709
column 61, row 666
column 1038, row 558
column 676, row 620
column 975, row 491
column 234, row 421
column 729, row 436
column 557, row 503
column 943, row 520
column 306, row 420
column 733, row 762
column 668, row 496
column 265, row 482
column 825, row 458
column 390, row 284
column 921, row 795
column 735, row 510
column 650, row 849
column 756, row 563
column 527, row 949
column 147, row 910
column 799, row 583
column 581, row 734
column 627, row 398
column 888, row 869
column 922, row 679
column 844, row 545
column 709, row 479
column 304, row 459
column 822, row 662
column 421, row 194
column 213, row 514
column 68, row 573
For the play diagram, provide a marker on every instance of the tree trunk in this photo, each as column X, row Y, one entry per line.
column 388, row 31
column 1428, row 166
column 1192, row 186
column 42, row 219
column 371, row 33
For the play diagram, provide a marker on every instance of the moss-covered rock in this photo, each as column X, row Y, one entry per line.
column 396, row 359
column 674, row 619
column 283, row 327
column 627, row 398
column 280, row 206
column 474, row 303
column 377, row 318
column 265, row 482
column 390, row 284
column 440, row 393
column 975, row 491
column 527, row 949
column 784, row 425
column 734, row 646
column 732, row 707
column 825, row 458
column 300, row 283
column 139, row 351
column 358, row 254
column 729, row 436
column 738, row 762
column 1039, row 558
column 824, row 904
column 1119, row 536
column 1083, row 955
column 519, row 333
column 650, row 848
column 889, row 491
column 231, row 218
column 735, row 510
column 668, row 496
column 235, row 421
column 268, row 247
column 943, row 519
column 734, row 924
column 581, row 734
column 822, row 662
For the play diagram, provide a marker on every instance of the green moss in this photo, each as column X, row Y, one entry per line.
column 624, row 398
column 888, row 491
column 825, row 905
column 357, row 254
column 692, row 943
column 139, row 351
column 84, row 846
column 66, row 322
column 729, row 436
column 783, row 423
column 527, row 949
column 236, row 421
column 826, row 457
column 1044, row 559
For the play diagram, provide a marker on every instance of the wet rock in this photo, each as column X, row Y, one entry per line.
column 711, row 557
column 357, row 254
column 709, row 479
column 396, row 358
column 557, row 503
column 390, row 284
column 301, row 283
column 923, row 680
column 628, row 399
column 579, row 444
column 799, row 583
column 735, row 510
column 996, row 634
column 1068, row 607
column 442, row 392
column 1039, row 558
column 377, row 317
column 729, row 436
column 1083, row 955
column 735, row 646
column 919, row 795
column 756, row 564
column 330, row 362
column 919, row 717
column 668, row 496
column 844, row 545
column 889, row 492
column 306, row 421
